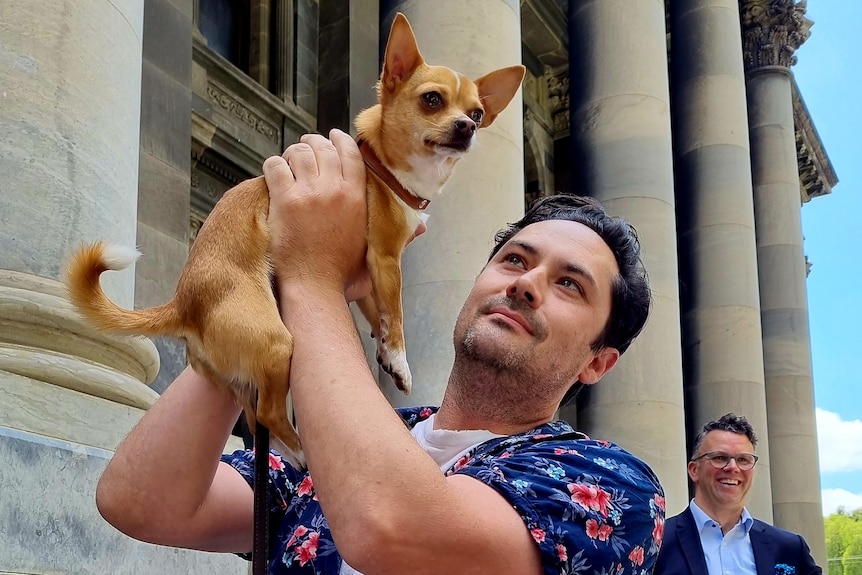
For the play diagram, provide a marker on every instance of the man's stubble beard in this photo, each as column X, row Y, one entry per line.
column 500, row 379
column 501, row 360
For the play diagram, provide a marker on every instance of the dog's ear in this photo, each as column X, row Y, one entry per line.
column 402, row 55
column 497, row 89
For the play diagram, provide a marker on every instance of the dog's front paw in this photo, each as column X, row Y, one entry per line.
column 394, row 362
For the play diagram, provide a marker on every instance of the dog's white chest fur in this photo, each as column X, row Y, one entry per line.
column 425, row 179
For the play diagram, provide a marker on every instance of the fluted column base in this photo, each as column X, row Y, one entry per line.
column 68, row 396
column 61, row 378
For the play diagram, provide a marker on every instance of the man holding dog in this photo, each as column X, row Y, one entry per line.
column 486, row 484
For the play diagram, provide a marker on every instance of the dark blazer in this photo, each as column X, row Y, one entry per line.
column 682, row 554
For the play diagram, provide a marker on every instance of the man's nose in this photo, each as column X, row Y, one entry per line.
column 732, row 462
column 527, row 287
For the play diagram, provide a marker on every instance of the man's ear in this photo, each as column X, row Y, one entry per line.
column 692, row 471
column 402, row 55
column 497, row 89
column 599, row 366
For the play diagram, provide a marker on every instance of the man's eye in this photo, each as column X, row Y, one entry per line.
column 514, row 260
column 569, row 283
column 720, row 458
column 743, row 460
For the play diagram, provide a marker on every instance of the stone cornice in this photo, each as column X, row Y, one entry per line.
column 544, row 32
column 772, row 31
column 816, row 175
column 550, row 16
column 259, row 102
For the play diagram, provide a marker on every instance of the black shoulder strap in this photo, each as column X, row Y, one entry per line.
column 261, row 504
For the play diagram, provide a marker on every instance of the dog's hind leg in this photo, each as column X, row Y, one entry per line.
column 273, row 385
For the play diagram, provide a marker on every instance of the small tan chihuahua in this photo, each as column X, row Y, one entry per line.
column 224, row 308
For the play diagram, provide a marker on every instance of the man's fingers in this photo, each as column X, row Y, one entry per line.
column 277, row 174
column 352, row 166
column 301, row 159
column 328, row 163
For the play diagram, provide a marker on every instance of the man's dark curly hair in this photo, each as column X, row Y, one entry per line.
column 727, row 422
column 631, row 297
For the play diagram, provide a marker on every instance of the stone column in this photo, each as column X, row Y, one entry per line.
column 720, row 302
column 772, row 31
column 70, row 99
column 348, row 70
column 164, row 165
column 621, row 154
column 485, row 192
column 68, row 173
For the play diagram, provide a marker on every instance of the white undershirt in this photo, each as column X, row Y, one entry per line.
column 445, row 446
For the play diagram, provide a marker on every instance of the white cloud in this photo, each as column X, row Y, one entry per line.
column 835, row 498
column 839, row 442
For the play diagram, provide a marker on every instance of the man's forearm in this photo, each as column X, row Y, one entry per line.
column 364, row 462
column 164, row 469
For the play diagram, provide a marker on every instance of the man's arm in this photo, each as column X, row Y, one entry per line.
column 165, row 483
column 388, row 505
column 809, row 566
column 390, row 508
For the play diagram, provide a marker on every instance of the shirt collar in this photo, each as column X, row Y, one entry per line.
column 702, row 520
column 747, row 520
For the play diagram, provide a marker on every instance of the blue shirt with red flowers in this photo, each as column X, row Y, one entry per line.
column 591, row 507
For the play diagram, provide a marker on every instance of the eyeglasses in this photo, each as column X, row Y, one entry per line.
column 720, row 460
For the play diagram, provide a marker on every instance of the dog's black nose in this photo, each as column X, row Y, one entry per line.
column 465, row 127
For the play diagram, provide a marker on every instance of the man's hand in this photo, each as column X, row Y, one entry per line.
column 317, row 215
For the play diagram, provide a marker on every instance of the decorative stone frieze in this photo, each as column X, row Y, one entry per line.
column 230, row 103
column 772, row 31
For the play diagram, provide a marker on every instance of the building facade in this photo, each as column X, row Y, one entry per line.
column 128, row 120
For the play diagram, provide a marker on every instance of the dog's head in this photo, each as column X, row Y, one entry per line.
column 434, row 110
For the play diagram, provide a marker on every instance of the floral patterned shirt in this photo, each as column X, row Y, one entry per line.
column 591, row 507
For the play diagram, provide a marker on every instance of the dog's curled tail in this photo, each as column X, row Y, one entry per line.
column 85, row 292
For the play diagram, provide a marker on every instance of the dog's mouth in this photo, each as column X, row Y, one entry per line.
column 459, row 145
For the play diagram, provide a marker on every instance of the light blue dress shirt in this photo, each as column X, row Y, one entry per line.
column 725, row 554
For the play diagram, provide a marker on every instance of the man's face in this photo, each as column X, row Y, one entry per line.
column 721, row 489
column 539, row 303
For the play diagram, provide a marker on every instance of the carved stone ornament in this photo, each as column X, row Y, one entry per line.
column 772, row 31
column 196, row 221
column 558, row 100
column 811, row 180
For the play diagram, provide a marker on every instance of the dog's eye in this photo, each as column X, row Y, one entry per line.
column 477, row 115
column 432, row 99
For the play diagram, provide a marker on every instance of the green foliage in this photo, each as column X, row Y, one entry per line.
column 844, row 542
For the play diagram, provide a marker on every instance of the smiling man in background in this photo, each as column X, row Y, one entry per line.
column 716, row 535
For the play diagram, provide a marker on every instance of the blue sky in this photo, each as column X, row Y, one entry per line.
column 828, row 74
